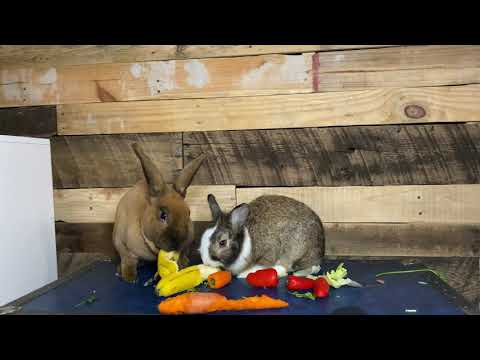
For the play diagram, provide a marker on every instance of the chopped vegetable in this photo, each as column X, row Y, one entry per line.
column 321, row 288
column 167, row 263
column 219, row 279
column 299, row 283
column 267, row 278
column 337, row 278
column 185, row 279
column 201, row 303
column 307, row 295
column 441, row 276
column 89, row 300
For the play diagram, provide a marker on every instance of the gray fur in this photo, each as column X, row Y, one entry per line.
column 283, row 230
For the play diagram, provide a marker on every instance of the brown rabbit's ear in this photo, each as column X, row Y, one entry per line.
column 156, row 184
column 214, row 207
column 238, row 217
column 186, row 176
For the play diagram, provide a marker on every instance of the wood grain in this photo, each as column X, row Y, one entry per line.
column 339, row 156
column 85, row 238
column 98, row 54
column 346, row 239
column 463, row 275
column 457, row 204
column 410, row 66
column 173, row 79
column 35, row 121
column 341, row 239
column 109, row 161
column 99, row 205
column 390, row 239
column 368, row 107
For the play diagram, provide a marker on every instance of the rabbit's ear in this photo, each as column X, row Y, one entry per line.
column 156, row 184
column 214, row 207
column 238, row 217
column 185, row 178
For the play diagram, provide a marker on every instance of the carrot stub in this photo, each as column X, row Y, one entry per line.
column 219, row 279
column 202, row 303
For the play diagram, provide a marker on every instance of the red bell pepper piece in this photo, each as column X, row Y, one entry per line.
column 295, row 283
column 320, row 288
column 263, row 278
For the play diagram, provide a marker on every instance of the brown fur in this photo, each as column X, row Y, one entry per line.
column 139, row 231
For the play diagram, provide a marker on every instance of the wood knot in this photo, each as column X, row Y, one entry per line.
column 415, row 111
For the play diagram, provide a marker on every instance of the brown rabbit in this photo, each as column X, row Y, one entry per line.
column 153, row 215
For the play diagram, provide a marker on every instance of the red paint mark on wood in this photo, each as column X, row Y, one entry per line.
column 315, row 71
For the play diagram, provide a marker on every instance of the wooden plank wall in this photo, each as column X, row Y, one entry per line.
column 383, row 141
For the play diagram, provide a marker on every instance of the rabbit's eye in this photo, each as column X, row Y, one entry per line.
column 163, row 216
column 222, row 243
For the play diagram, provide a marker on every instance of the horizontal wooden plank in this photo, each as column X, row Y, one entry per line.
column 339, row 156
column 69, row 263
column 109, row 161
column 98, row 54
column 387, row 239
column 413, row 66
column 99, row 205
column 410, row 66
column 346, row 239
column 369, row 107
column 216, row 77
column 85, row 238
column 341, row 239
column 35, row 121
column 457, row 204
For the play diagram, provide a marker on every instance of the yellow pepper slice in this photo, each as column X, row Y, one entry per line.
column 183, row 280
column 167, row 263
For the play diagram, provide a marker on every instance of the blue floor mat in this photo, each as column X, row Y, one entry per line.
column 420, row 293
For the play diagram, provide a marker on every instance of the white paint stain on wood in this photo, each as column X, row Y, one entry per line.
column 91, row 119
column 25, row 87
column 136, row 70
column 11, row 92
column 159, row 75
column 15, row 84
column 293, row 69
column 197, row 73
column 49, row 77
column 255, row 76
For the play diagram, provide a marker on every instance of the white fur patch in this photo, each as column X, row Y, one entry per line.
column 243, row 258
column 309, row 271
column 254, row 268
column 281, row 270
column 204, row 245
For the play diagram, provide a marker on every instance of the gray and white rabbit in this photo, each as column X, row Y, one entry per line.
column 271, row 232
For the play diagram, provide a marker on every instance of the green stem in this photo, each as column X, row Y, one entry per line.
column 412, row 271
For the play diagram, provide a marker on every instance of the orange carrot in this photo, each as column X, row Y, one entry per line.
column 219, row 279
column 202, row 303
column 255, row 303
